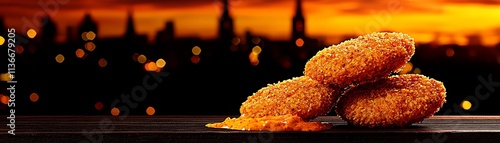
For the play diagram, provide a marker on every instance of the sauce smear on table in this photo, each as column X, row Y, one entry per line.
column 271, row 123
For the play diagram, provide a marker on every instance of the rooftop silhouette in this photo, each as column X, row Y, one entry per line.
column 215, row 76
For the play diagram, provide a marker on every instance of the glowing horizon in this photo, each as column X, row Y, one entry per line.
column 331, row 21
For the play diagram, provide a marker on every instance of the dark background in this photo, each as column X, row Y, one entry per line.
column 97, row 71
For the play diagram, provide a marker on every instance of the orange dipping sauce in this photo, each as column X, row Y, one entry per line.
column 271, row 123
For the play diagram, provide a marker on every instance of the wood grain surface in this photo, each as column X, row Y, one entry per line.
column 104, row 129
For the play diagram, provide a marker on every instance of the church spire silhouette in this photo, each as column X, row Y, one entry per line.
column 298, row 22
column 226, row 29
column 130, row 30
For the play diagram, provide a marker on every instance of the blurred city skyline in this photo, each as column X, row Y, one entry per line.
column 89, row 71
column 444, row 21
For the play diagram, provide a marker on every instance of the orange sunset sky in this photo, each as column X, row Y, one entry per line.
column 327, row 19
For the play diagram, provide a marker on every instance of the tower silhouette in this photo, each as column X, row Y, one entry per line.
column 298, row 23
column 226, row 27
column 130, row 29
column 49, row 30
column 166, row 35
column 88, row 24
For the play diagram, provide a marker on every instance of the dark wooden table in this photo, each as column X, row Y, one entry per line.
column 94, row 129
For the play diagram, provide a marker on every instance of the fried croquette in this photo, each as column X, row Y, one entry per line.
column 363, row 59
column 396, row 101
column 301, row 96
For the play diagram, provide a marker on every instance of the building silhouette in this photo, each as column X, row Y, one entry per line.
column 87, row 25
column 298, row 22
column 226, row 24
column 213, row 75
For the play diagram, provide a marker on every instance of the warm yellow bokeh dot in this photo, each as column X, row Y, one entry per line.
column 466, row 105
column 115, row 111
column 59, row 58
column 2, row 40
column 160, row 63
column 90, row 46
column 90, row 35
column 34, row 97
column 5, row 77
column 31, row 33
column 196, row 50
column 84, row 36
column 406, row 68
column 80, row 53
column 141, row 59
column 150, row 110
column 4, row 99
column 256, row 50
column 102, row 62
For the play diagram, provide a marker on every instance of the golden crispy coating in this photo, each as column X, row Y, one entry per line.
column 363, row 59
column 397, row 101
column 301, row 96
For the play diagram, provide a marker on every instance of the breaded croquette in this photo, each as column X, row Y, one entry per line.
column 396, row 101
column 363, row 59
column 301, row 96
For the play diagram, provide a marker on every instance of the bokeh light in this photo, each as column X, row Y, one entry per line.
column 236, row 41
column 102, row 62
column 90, row 35
column 59, row 58
column 135, row 56
column 256, row 50
column 150, row 66
column 150, row 110
column 90, row 46
column 141, row 59
column 34, row 97
column 4, row 99
column 406, row 68
column 19, row 49
column 31, row 33
column 80, row 53
column 450, row 52
column 466, row 105
column 2, row 40
column 417, row 71
column 160, row 63
column 254, row 58
column 299, row 42
column 195, row 59
column 98, row 106
column 84, row 36
column 5, row 77
column 115, row 111
column 255, row 40
column 196, row 50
